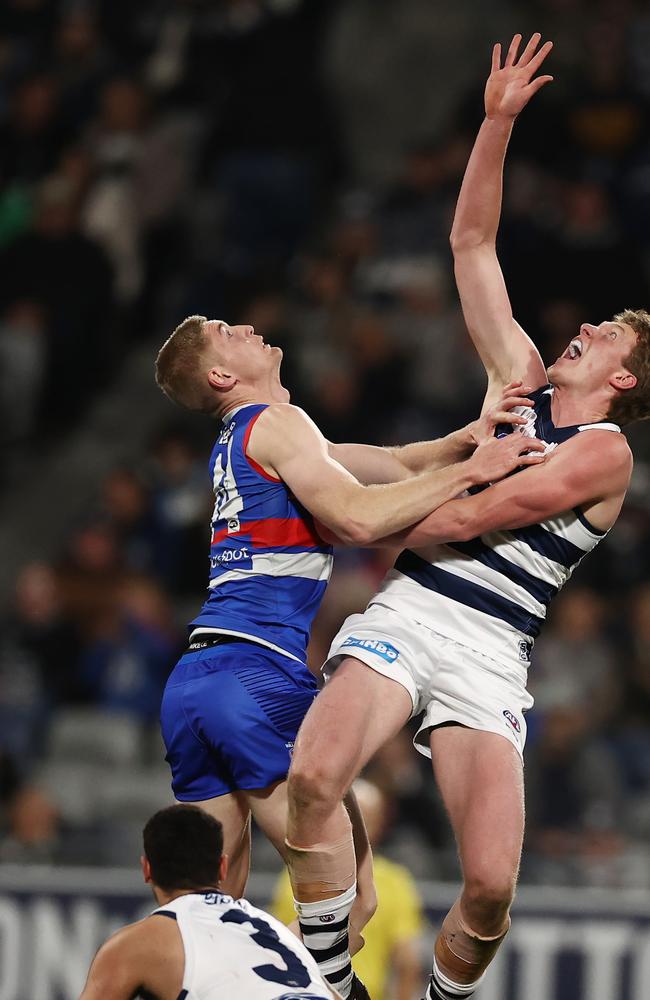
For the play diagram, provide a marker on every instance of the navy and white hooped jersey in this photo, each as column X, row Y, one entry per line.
column 233, row 951
column 268, row 566
column 492, row 593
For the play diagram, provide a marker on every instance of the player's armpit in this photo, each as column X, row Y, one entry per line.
column 575, row 475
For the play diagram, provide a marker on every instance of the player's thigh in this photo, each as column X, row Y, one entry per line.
column 480, row 777
column 357, row 711
column 233, row 813
column 269, row 809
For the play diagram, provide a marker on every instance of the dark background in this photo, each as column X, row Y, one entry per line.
column 293, row 165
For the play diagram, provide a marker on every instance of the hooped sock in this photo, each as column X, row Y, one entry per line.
column 324, row 928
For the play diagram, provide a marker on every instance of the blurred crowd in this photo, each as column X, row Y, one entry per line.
column 294, row 165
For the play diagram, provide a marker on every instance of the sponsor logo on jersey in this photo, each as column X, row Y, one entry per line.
column 512, row 720
column 228, row 556
column 525, row 649
column 378, row 646
column 327, row 918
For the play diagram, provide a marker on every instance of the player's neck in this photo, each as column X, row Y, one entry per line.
column 164, row 897
column 254, row 396
column 569, row 408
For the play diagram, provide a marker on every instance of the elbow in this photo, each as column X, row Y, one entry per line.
column 463, row 528
column 465, row 240
column 351, row 531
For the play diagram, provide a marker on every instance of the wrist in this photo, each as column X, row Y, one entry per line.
column 500, row 123
column 466, row 474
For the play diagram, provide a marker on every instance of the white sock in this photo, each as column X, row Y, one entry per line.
column 442, row 988
column 324, row 927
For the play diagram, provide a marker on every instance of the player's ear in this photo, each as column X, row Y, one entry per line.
column 221, row 380
column 146, row 869
column 223, row 867
column 623, row 380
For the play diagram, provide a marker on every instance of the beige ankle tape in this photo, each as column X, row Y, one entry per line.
column 322, row 870
column 461, row 954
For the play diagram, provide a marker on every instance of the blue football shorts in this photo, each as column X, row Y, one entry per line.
column 230, row 714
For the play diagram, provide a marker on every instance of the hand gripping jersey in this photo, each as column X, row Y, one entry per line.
column 491, row 593
column 234, row 951
column 268, row 566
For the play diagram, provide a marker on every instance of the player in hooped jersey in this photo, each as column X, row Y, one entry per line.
column 200, row 943
column 233, row 704
column 451, row 630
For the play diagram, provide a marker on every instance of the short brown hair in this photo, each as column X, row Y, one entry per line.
column 178, row 366
column 634, row 404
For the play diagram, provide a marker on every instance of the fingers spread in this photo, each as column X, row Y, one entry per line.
column 537, row 84
column 529, row 51
column 512, row 51
column 496, row 57
column 537, row 61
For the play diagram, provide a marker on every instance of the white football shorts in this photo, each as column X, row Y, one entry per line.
column 447, row 682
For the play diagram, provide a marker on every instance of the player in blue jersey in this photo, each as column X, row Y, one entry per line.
column 451, row 631
column 233, row 704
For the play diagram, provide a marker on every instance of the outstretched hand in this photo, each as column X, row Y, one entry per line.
column 510, row 87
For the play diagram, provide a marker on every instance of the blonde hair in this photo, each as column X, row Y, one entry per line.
column 179, row 367
column 634, row 404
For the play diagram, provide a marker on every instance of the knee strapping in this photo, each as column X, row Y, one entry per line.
column 322, row 870
column 461, row 954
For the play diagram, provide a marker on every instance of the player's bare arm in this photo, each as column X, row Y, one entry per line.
column 288, row 445
column 593, row 478
column 505, row 349
column 147, row 955
column 372, row 464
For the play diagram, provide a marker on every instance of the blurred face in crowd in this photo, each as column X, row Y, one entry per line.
column 596, row 358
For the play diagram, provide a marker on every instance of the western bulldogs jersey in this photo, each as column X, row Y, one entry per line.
column 234, row 951
column 491, row 593
column 268, row 566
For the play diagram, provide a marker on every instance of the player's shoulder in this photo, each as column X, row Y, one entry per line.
column 599, row 451
column 285, row 419
column 155, row 927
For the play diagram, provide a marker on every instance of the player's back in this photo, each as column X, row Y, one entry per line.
column 234, row 951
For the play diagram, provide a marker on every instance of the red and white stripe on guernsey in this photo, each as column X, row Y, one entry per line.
column 284, row 543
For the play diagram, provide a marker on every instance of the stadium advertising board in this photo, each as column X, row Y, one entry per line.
column 564, row 945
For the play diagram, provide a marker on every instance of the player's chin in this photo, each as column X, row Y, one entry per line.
column 556, row 369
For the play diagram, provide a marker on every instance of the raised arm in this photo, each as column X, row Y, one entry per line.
column 505, row 350
column 286, row 443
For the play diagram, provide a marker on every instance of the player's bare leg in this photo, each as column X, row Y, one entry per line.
column 480, row 777
column 234, row 815
column 269, row 807
column 355, row 714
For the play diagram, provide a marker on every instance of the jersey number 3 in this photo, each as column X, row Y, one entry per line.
column 295, row 974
